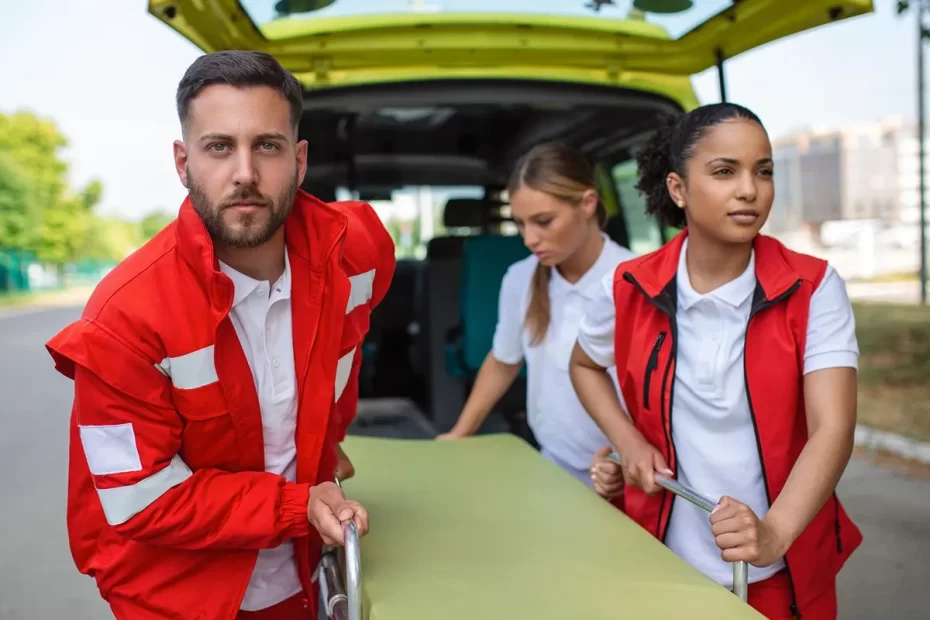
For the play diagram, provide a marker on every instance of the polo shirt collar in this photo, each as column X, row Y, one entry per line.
column 734, row 293
column 559, row 285
column 245, row 285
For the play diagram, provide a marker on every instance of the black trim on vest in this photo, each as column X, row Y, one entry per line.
column 667, row 303
column 759, row 303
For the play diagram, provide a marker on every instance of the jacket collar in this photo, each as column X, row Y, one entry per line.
column 311, row 232
column 655, row 275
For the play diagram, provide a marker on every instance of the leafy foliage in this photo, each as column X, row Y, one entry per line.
column 44, row 217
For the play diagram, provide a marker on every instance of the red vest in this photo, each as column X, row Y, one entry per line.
column 645, row 294
column 156, row 362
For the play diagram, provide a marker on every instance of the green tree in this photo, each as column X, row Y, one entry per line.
column 38, row 211
column 34, row 144
column 18, row 215
column 111, row 239
column 153, row 222
column 66, row 226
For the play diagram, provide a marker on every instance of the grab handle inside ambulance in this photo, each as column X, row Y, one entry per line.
column 740, row 569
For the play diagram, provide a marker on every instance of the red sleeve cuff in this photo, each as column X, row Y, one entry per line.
column 293, row 514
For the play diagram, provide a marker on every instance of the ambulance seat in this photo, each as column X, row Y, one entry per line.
column 439, row 307
column 485, row 260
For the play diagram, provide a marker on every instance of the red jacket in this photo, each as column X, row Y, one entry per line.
column 645, row 289
column 168, row 500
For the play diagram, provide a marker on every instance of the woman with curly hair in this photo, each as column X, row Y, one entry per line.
column 737, row 361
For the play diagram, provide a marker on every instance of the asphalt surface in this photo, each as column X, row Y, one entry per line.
column 888, row 578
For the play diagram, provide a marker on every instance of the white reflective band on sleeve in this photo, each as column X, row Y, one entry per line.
column 343, row 371
column 361, row 289
column 190, row 371
column 120, row 504
column 110, row 449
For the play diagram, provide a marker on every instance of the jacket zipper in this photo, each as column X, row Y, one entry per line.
column 651, row 367
column 752, row 414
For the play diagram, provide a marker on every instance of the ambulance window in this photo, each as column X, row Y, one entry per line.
column 414, row 214
column 644, row 232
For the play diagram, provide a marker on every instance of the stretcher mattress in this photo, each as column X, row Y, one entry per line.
column 485, row 528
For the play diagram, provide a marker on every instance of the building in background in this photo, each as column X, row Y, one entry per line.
column 850, row 196
column 851, row 174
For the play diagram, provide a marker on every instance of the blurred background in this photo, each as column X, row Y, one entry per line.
column 87, row 120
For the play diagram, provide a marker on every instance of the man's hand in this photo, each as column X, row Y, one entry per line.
column 329, row 511
column 344, row 467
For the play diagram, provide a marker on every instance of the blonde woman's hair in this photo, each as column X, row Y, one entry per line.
column 564, row 173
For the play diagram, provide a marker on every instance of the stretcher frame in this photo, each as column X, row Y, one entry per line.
column 740, row 568
column 341, row 600
column 343, row 595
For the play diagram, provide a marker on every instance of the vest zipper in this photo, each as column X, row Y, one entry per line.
column 666, row 303
column 756, row 308
column 651, row 367
column 666, row 414
column 836, row 523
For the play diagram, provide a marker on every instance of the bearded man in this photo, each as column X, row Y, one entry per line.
column 216, row 370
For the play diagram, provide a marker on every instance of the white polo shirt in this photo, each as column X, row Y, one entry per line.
column 713, row 431
column 261, row 314
column 558, row 420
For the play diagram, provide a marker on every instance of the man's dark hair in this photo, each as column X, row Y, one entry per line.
column 240, row 69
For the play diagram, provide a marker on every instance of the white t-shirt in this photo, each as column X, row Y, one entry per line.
column 554, row 413
column 713, row 432
column 261, row 314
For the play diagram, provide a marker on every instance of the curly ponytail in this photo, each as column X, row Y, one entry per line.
column 654, row 163
column 669, row 149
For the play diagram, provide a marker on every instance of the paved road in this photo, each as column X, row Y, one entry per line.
column 888, row 578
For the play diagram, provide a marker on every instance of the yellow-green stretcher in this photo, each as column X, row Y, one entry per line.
column 486, row 528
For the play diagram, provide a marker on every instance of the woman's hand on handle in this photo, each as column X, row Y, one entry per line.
column 606, row 475
column 599, row 397
column 641, row 462
column 743, row 536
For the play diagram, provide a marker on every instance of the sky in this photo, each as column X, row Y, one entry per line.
column 106, row 72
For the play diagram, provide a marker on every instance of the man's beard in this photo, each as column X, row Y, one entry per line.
column 248, row 236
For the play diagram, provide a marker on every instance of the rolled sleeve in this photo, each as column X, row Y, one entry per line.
column 507, row 346
column 831, row 327
column 596, row 330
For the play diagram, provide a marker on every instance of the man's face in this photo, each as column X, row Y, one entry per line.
column 241, row 162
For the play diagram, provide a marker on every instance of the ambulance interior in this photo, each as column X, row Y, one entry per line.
column 434, row 159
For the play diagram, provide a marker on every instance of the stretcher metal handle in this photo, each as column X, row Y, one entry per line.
column 342, row 602
column 353, row 558
column 741, row 568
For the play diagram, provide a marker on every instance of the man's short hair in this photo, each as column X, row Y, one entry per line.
column 240, row 69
